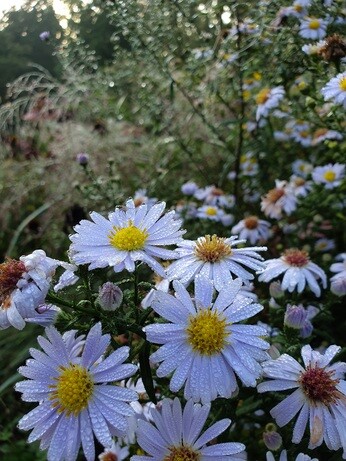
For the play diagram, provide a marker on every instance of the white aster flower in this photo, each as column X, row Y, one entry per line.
column 300, row 186
column 135, row 234
column 216, row 258
column 298, row 272
column 313, row 28
column 253, row 229
column 212, row 195
column 322, row 134
column 313, row 48
column 281, row 198
column 319, row 397
column 176, row 435
column 212, row 212
column 302, row 168
column 283, row 457
column 329, row 175
column 68, row 277
column 114, row 453
column 24, row 285
column 324, row 244
column 338, row 281
column 204, row 344
column 267, row 99
column 75, row 398
column 335, row 90
column 141, row 197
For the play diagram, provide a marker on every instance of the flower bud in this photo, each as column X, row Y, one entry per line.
column 275, row 290
column 338, row 284
column 295, row 316
column 110, row 296
column 271, row 438
column 189, row 188
column 82, row 158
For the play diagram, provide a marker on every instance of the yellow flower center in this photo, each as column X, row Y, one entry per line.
column 329, row 175
column 128, row 238
column 314, row 24
column 298, row 8
column 212, row 249
column 263, row 96
column 182, row 454
column 304, row 134
column 210, row 211
column 342, row 83
column 207, row 332
column 73, row 390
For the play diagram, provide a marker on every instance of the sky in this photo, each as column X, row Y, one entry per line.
column 5, row 5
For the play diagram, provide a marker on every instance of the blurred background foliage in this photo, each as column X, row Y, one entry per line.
column 157, row 93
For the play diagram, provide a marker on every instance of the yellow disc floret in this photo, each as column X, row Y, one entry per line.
column 212, row 249
column 182, row 454
column 263, row 96
column 207, row 332
column 342, row 83
column 211, row 211
column 314, row 24
column 73, row 390
column 128, row 238
column 329, row 175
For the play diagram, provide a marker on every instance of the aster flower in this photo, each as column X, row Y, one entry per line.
column 313, row 28
column 203, row 344
column 302, row 168
column 212, row 195
column 283, row 457
column 335, row 90
column 324, row 244
column 253, row 229
column 281, row 198
column 299, row 318
column 216, row 258
column 24, row 285
column 68, row 277
column 141, row 196
column 300, row 186
column 136, row 234
column 211, row 212
column 313, row 48
column 319, row 397
column 267, row 99
column 338, row 281
column 114, row 453
column 329, row 175
column 189, row 188
column 322, row 134
column 175, row 435
column 298, row 271
column 75, row 398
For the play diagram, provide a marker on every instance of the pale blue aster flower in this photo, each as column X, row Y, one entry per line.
column 204, row 344
column 70, row 380
column 216, row 258
column 283, row 457
column 176, row 434
column 133, row 234
column 319, row 398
